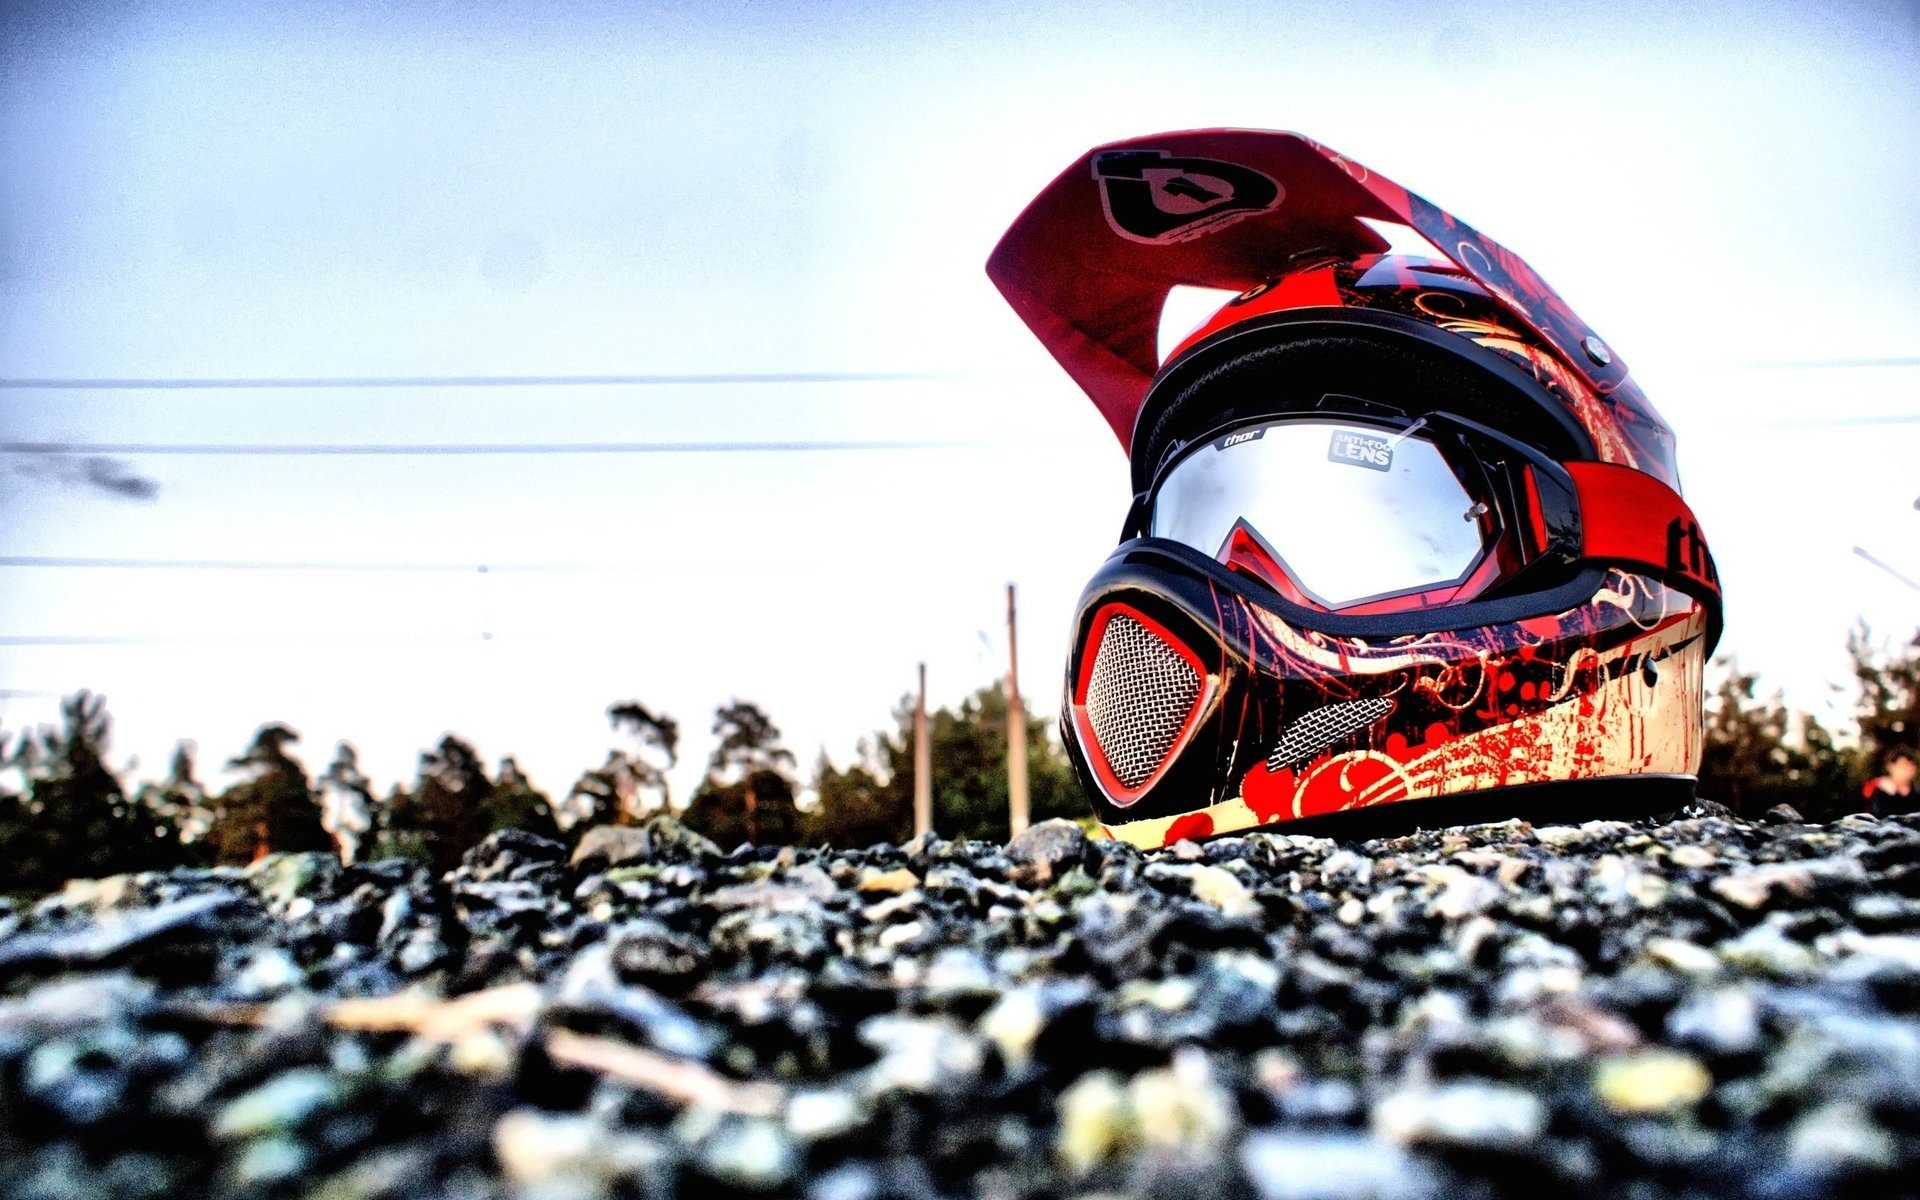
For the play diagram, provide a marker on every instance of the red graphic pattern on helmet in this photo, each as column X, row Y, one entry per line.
column 1448, row 687
column 1190, row 828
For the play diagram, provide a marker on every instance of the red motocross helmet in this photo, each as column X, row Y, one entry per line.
column 1406, row 545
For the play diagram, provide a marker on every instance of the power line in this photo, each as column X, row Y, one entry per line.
column 265, row 639
column 1821, row 422
column 1868, row 555
column 1828, row 364
column 95, row 562
column 320, row 382
column 234, row 564
column 652, row 379
column 308, row 449
column 348, row 566
column 581, row 637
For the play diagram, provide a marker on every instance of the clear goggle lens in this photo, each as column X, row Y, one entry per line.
column 1351, row 513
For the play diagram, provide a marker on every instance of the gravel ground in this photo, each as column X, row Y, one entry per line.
column 1701, row 1007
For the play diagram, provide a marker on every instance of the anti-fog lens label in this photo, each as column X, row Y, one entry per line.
column 1360, row 450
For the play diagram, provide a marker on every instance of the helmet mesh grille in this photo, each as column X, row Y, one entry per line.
column 1323, row 727
column 1140, row 694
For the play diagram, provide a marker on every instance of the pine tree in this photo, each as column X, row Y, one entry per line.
column 346, row 802
column 180, row 803
column 75, row 820
column 516, row 804
column 630, row 783
column 451, row 801
column 1755, row 758
column 856, row 808
column 1887, row 707
column 274, row 809
column 747, row 794
column 396, row 830
column 968, row 748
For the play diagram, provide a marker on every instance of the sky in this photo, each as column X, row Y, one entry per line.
column 236, row 191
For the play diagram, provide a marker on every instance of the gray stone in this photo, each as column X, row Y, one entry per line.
column 1050, row 848
column 115, row 934
column 658, row 838
column 750, row 1153
column 284, row 1102
column 1473, row 1115
column 800, row 893
column 566, row 1155
column 63, row 1005
column 851, row 1181
column 920, row 1054
column 1725, row 1021
column 269, row 1160
column 592, row 986
column 817, row 1114
column 280, row 879
column 82, row 1077
column 1842, row 1136
column 1285, row 1165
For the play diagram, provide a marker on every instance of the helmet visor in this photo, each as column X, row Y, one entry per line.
column 1348, row 512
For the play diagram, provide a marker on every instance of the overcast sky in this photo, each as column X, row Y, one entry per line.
column 227, row 191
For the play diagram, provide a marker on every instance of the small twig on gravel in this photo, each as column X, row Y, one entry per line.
column 688, row 1083
column 513, row 1005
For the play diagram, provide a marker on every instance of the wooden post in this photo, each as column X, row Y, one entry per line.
column 1016, row 731
column 922, row 763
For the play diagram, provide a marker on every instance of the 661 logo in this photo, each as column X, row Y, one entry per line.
column 1154, row 197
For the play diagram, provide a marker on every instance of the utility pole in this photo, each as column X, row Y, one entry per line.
column 922, row 763
column 1016, row 731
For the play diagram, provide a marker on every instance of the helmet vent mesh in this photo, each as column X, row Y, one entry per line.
column 1324, row 726
column 1139, row 696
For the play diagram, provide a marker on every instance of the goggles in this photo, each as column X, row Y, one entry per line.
column 1361, row 515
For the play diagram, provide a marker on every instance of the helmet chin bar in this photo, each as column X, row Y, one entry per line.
column 1357, row 720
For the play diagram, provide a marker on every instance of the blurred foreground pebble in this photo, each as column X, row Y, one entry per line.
column 1701, row 1007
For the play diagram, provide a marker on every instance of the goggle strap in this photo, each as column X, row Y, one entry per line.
column 1630, row 519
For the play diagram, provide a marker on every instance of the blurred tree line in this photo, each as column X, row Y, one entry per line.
column 75, row 818
column 1759, row 753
